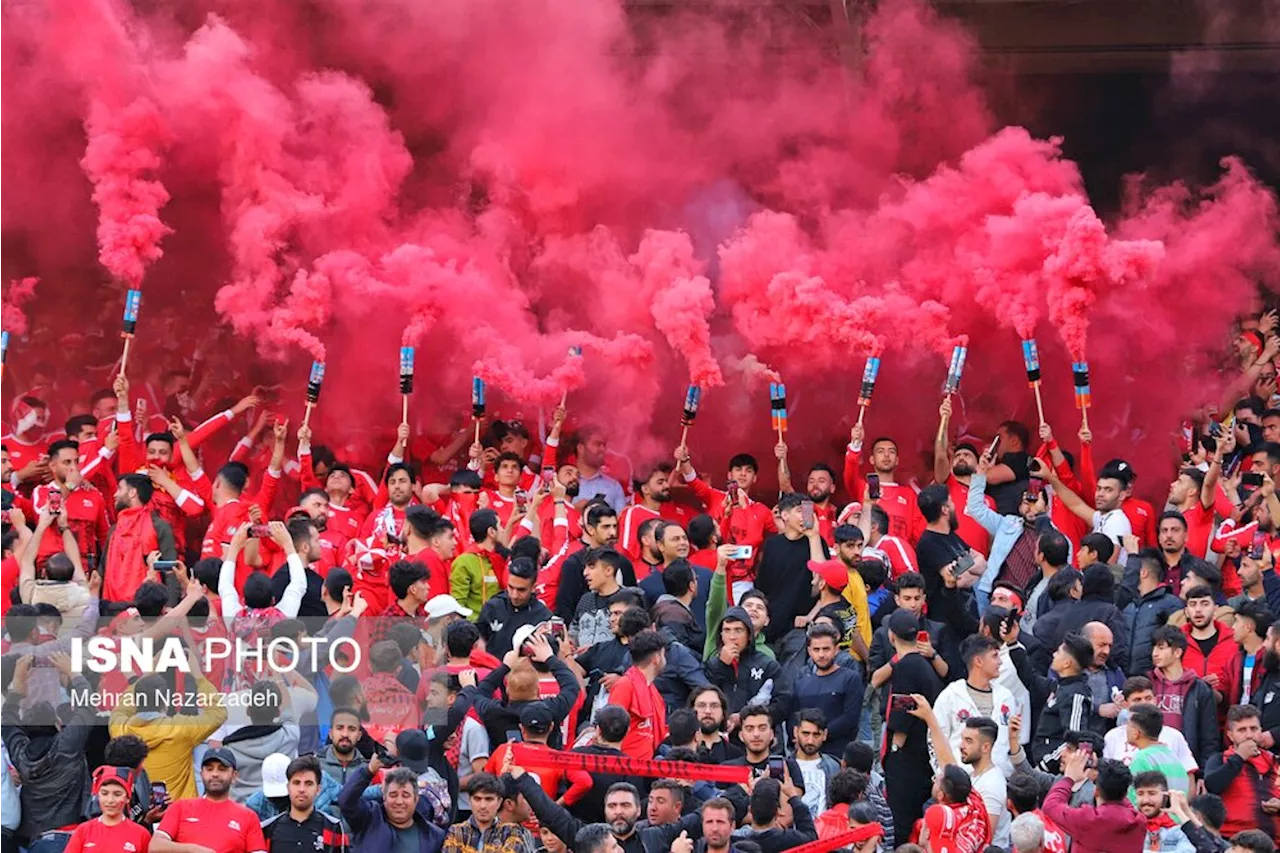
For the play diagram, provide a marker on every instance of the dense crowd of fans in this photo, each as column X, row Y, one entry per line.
column 493, row 644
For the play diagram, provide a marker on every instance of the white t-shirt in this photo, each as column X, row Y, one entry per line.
column 1116, row 746
column 815, row 784
column 994, row 791
column 1115, row 526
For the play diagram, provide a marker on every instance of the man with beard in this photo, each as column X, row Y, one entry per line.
column 955, row 470
column 1258, row 581
column 1105, row 515
column 347, row 507
column 599, row 530
column 340, row 759
column 1015, row 544
column 592, row 451
column 849, row 541
column 512, row 608
column 1266, row 698
column 213, row 822
column 652, row 498
column 835, row 691
column 718, row 822
column 139, row 533
column 817, row 767
column 820, row 487
column 402, row 822
column 784, row 560
column 673, row 544
column 430, row 540
column 1150, row 793
column 778, row 819
column 939, row 545
column 711, row 708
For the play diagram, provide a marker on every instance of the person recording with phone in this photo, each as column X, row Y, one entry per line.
column 908, row 773
column 940, row 546
column 783, row 561
column 1015, row 538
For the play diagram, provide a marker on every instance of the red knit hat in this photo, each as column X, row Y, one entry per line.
column 122, row 776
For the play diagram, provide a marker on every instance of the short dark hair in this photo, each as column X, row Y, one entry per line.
column 61, row 445
column 162, row 437
column 1060, row 585
column 1136, row 684
column 258, row 592
column 466, row 479
column 401, row 777
column 976, row 645
column 955, row 783
column 305, row 764
column 634, row 619
column 1100, row 544
column 821, row 630
column 397, row 467
column 335, row 582
column 847, row 533
column 1080, row 649
column 908, row 580
column 984, row 726
column 682, row 724
column 426, row 522
column 1168, row 635
column 125, row 751
column 460, row 638
column 405, row 633
column 675, row 788
column 404, row 574
column 678, row 577
column 720, row 804
column 1148, row 719
column 847, row 786
column 141, row 484
column 481, row 522
column 1151, row 779
column 523, row 568
column 1017, row 430
column 235, row 476
column 931, row 500
column 766, row 799
column 1174, row 515
column 859, row 756
column 702, row 529
column 645, row 645
column 790, row 501
column 1054, row 547
column 1023, row 791
column 625, row 787
column 612, row 721
column 1257, row 613
column 1153, row 561
column 598, row 512
column 753, row 710
column 486, row 783
column 879, row 519
column 151, row 598
column 744, row 460
column 384, row 656
column 1253, row 840
column 75, row 423
column 1239, row 713
column 1113, row 780
column 1198, row 591
column 608, row 555
column 1210, row 808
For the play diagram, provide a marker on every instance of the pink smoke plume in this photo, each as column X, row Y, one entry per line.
column 682, row 301
column 18, row 292
column 122, row 159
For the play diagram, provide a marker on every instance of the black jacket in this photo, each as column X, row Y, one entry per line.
column 573, row 583
column 502, row 717
column 499, row 619
column 1142, row 616
column 1267, row 700
column 652, row 839
column 775, row 840
column 1068, row 708
column 55, row 775
column 748, row 675
column 1095, row 605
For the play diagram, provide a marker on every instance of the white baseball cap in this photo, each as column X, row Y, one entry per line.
column 443, row 605
column 275, row 781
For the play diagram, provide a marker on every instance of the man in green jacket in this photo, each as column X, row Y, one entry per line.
column 473, row 578
column 754, row 602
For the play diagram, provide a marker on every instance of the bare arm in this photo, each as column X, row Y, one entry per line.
column 784, row 470
column 1069, row 499
column 941, row 447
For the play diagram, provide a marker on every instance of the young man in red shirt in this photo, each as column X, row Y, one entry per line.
column 635, row 693
column 111, row 832
column 212, row 822
column 86, row 511
column 742, row 521
column 652, row 502
column 898, row 501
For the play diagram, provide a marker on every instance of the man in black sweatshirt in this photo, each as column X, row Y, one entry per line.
column 778, row 819
column 1070, row 702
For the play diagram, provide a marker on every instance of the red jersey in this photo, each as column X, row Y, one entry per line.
column 648, row 714
column 963, row 828
column 738, row 525
column 1055, row 840
column 1142, row 518
column 636, row 514
column 1200, row 521
column 9, row 574
column 973, row 533
column 547, row 586
column 504, row 507
column 86, row 516
column 898, row 501
column 123, row 837
column 23, row 453
column 223, row 826
column 344, row 520
column 392, row 708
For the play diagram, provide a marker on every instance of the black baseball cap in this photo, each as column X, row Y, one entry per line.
column 220, row 754
column 536, row 717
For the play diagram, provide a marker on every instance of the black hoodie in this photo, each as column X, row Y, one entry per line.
column 745, row 678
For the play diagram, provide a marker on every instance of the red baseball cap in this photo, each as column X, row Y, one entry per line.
column 833, row 572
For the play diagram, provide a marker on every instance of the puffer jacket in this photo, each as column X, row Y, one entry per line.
column 747, row 677
column 1141, row 618
column 55, row 775
column 326, row 800
column 1095, row 605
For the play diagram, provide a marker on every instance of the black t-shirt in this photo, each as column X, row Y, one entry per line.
column 1207, row 645
column 312, row 604
column 1009, row 495
column 933, row 551
column 783, row 575
column 912, row 674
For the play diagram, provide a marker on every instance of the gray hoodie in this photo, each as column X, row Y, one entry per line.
column 251, row 745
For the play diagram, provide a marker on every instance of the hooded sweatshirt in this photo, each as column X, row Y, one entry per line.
column 1188, row 704
column 251, row 745
column 1107, row 828
column 746, row 679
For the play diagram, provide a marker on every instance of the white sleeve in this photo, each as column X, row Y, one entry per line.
column 227, row 591
column 291, row 600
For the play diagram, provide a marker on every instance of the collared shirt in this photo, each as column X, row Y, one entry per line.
column 317, row 833
column 467, row 837
column 603, row 484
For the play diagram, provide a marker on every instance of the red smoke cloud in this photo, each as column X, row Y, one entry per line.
column 18, row 292
column 494, row 184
